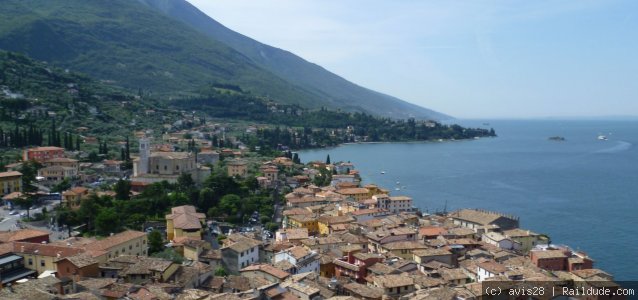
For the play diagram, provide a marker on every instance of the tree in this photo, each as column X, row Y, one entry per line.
column 29, row 171
column 155, row 242
column 185, row 182
column 67, row 217
column 220, row 271
column 122, row 189
column 26, row 201
column 328, row 159
column 106, row 221
column 63, row 185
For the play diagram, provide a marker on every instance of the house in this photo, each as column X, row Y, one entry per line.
column 355, row 193
column 292, row 235
column 73, row 197
column 42, row 154
column 270, row 172
column 300, row 259
column 77, row 266
column 324, row 223
column 394, row 285
column 344, row 167
column 139, row 270
column 63, row 162
column 10, row 182
column 184, row 221
column 369, row 213
column 525, row 238
column 303, row 221
column 501, row 241
column 431, row 232
column 395, row 204
column 114, row 167
column 489, row 269
column 361, row 291
column 124, row 243
column 403, row 249
column 55, row 174
column 336, row 179
column 475, row 218
column 355, row 265
column 42, row 257
column 424, row 256
column 383, row 236
column 264, row 271
column 237, row 168
column 240, row 254
column 549, row 259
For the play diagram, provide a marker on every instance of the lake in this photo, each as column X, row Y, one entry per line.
column 582, row 192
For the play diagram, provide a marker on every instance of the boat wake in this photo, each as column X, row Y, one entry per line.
column 619, row 147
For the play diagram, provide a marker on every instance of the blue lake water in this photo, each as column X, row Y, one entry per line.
column 583, row 192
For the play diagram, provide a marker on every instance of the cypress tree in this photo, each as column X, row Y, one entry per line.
column 77, row 143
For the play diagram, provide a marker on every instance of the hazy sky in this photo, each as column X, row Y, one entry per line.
column 476, row 59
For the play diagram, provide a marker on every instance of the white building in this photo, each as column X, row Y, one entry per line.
column 487, row 269
column 501, row 241
column 395, row 204
column 240, row 254
column 299, row 260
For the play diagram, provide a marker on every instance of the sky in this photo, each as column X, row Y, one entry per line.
column 468, row 59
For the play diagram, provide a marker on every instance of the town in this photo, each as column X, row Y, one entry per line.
column 184, row 218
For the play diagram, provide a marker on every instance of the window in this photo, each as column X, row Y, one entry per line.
column 42, row 263
column 165, row 167
column 130, row 247
column 67, row 270
column 30, row 262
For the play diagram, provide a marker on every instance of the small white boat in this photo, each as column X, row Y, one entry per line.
column 397, row 189
column 382, row 172
column 602, row 138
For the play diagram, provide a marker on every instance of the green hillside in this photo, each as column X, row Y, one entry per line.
column 127, row 43
column 335, row 90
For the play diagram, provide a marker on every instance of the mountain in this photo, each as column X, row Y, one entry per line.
column 171, row 48
column 339, row 91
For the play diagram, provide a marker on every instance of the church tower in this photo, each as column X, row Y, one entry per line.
column 145, row 153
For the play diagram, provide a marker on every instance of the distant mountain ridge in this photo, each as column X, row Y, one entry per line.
column 170, row 47
column 294, row 68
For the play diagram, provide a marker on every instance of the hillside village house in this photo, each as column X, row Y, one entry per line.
column 395, row 204
column 240, row 254
column 124, row 243
column 42, row 154
column 55, row 174
column 299, row 259
column 184, row 221
column 237, row 168
column 63, row 162
column 73, row 197
column 474, row 219
column 525, row 238
column 10, row 182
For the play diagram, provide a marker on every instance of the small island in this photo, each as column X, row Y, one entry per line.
column 556, row 138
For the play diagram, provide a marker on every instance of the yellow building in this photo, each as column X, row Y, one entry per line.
column 526, row 238
column 42, row 257
column 73, row 198
column 124, row 243
column 10, row 182
column 303, row 221
column 403, row 249
column 184, row 221
column 237, row 168
column 357, row 194
column 324, row 222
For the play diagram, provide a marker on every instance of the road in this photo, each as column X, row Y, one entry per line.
column 9, row 221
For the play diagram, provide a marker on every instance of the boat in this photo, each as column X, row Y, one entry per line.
column 556, row 138
column 602, row 138
column 397, row 189
column 382, row 172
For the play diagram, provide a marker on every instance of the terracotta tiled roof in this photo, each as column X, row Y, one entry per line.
column 20, row 235
column 45, row 249
column 115, row 240
column 10, row 174
column 280, row 274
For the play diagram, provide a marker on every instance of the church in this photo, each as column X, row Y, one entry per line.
column 158, row 166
